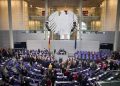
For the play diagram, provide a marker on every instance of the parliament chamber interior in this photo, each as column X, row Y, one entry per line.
column 59, row 43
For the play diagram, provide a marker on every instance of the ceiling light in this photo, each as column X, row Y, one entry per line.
column 38, row 8
column 31, row 6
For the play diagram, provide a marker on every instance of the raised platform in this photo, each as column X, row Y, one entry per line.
column 61, row 57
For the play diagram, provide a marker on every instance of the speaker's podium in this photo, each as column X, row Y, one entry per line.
column 61, row 57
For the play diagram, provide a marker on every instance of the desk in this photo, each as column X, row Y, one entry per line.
column 62, row 82
column 63, row 57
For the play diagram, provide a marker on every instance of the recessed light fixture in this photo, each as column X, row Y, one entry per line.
column 31, row 6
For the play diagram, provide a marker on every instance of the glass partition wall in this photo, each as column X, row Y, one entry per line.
column 92, row 13
column 97, row 15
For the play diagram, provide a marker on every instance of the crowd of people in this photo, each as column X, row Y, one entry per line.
column 22, row 63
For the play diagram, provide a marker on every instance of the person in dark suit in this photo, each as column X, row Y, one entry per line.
column 43, row 82
column 111, row 65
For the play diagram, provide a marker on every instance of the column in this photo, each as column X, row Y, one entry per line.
column 110, row 15
column 80, row 17
column 46, row 16
column 116, row 38
column 10, row 24
column 21, row 3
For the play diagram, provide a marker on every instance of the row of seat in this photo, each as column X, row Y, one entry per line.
column 92, row 55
